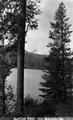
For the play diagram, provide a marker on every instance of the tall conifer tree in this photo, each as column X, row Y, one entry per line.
column 57, row 85
column 17, row 17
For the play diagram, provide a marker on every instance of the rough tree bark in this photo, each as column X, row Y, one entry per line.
column 20, row 63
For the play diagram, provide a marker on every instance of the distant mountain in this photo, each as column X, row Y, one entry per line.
column 35, row 51
column 32, row 60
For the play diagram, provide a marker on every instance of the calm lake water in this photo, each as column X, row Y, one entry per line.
column 32, row 78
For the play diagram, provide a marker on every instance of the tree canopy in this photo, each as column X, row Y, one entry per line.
column 57, row 85
column 12, row 18
column 13, row 28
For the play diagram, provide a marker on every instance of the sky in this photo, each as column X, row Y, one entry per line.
column 37, row 40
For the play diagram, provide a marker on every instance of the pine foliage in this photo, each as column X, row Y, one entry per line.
column 57, row 85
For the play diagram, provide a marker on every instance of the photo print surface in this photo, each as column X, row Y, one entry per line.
column 36, row 58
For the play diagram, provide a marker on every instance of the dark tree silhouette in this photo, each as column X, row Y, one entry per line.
column 57, row 85
column 4, row 72
column 16, row 19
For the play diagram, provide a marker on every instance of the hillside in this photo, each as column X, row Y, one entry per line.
column 32, row 60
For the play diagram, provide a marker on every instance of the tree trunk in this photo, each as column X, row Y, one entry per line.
column 20, row 73
column 20, row 78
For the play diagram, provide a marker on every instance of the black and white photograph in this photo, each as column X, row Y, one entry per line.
column 36, row 59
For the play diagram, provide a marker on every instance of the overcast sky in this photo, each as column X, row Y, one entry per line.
column 38, row 39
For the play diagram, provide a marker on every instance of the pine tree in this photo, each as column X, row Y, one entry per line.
column 16, row 19
column 57, row 85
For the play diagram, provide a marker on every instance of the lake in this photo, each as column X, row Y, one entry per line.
column 32, row 78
